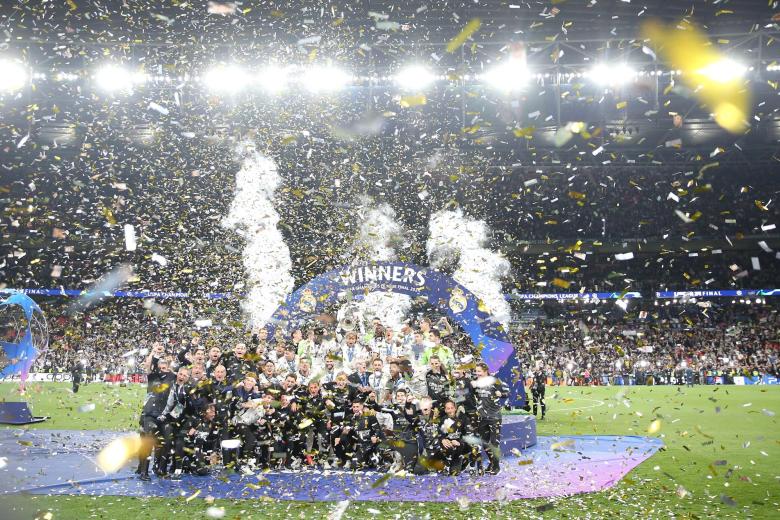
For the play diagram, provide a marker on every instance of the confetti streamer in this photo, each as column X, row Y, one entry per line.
column 470, row 28
column 704, row 71
column 266, row 257
column 457, row 240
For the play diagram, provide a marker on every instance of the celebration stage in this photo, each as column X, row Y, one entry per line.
column 62, row 462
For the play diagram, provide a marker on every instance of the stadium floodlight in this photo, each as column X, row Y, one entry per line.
column 723, row 70
column 113, row 78
column 414, row 77
column 507, row 76
column 617, row 74
column 325, row 79
column 13, row 76
column 274, row 78
column 226, row 78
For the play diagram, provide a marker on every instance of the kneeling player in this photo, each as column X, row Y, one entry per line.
column 360, row 437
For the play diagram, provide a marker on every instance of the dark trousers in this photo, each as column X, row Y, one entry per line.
column 361, row 453
column 489, row 431
column 408, row 449
column 453, row 457
column 173, row 446
column 318, row 435
column 294, row 446
column 248, row 435
column 151, row 442
column 431, row 460
column 537, row 395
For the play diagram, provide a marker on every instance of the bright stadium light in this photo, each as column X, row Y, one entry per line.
column 723, row 70
column 274, row 78
column 13, row 76
column 617, row 74
column 415, row 77
column 226, row 78
column 507, row 76
column 325, row 79
column 113, row 78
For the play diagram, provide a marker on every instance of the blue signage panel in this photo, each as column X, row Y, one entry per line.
column 718, row 293
column 574, row 296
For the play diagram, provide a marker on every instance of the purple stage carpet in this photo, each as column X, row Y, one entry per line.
column 61, row 462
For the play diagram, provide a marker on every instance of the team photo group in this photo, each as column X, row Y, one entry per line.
column 380, row 400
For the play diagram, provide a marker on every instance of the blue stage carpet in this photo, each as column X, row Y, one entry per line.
column 63, row 463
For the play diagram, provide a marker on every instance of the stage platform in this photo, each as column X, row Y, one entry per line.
column 51, row 462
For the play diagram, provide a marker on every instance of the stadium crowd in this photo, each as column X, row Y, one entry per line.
column 574, row 353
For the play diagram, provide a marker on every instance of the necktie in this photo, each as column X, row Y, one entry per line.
column 364, row 379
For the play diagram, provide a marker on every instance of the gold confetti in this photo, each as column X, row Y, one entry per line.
column 654, row 427
column 706, row 71
column 118, row 452
column 413, row 101
column 381, row 480
column 559, row 446
column 460, row 39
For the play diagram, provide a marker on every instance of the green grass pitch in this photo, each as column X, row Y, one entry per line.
column 722, row 459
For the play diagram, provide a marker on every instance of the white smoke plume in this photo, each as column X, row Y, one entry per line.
column 457, row 240
column 252, row 215
column 379, row 237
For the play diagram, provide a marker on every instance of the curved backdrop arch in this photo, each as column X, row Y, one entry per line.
column 440, row 290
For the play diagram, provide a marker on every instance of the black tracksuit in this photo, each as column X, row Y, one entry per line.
column 356, row 439
column 152, row 430
column 537, row 391
column 438, row 388
column 404, row 439
column 490, row 399
column 454, row 429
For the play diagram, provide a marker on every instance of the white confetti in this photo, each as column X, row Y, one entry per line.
column 158, row 108
column 457, row 240
column 266, row 256
column 130, row 241
column 159, row 259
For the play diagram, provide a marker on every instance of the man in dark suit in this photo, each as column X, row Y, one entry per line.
column 359, row 381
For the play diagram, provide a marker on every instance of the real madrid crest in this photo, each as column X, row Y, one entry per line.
column 307, row 303
column 458, row 301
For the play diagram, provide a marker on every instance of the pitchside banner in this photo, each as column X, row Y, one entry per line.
column 756, row 380
column 717, row 293
column 585, row 296
column 575, row 296
column 439, row 290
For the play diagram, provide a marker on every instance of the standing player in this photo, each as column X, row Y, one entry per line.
column 537, row 389
column 490, row 394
